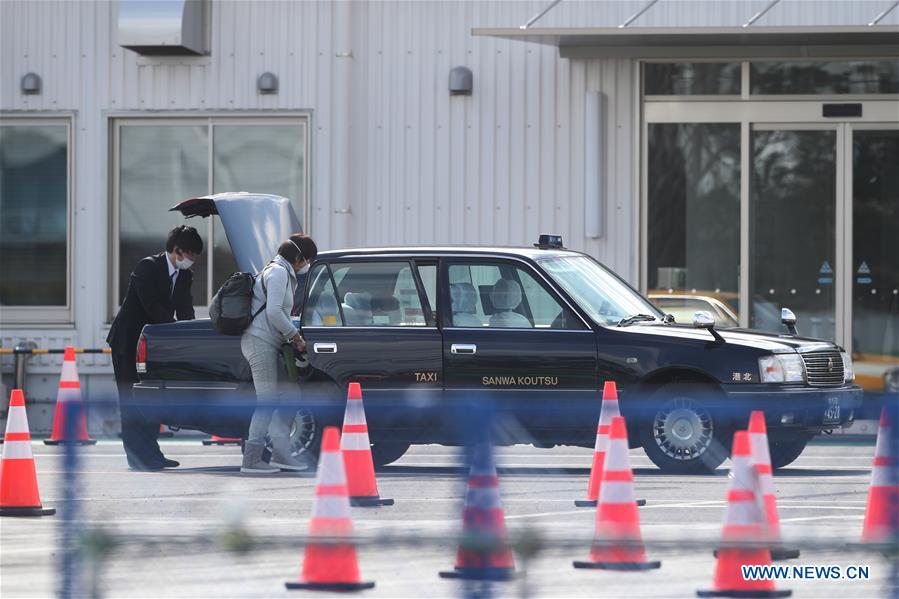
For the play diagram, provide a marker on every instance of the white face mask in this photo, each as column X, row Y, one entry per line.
column 304, row 269
column 184, row 263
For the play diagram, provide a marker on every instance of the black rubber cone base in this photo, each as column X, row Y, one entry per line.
column 782, row 553
column 777, row 554
column 593, row 502
column 64, row 442
column 369, row 501
column 498, row 574
column 621, row 566
column 27, row 512
column 744, row 594
column 339, row 587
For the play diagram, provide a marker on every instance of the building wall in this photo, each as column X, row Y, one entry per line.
column 395, row 159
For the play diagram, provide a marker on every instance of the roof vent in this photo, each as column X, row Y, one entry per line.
column 164, row 27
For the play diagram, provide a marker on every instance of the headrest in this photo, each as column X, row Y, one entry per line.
column 326, row 309
column 506, row 294
column 358, row 301
column 465, row 298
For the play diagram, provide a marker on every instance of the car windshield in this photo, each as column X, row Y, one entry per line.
column 605, row 297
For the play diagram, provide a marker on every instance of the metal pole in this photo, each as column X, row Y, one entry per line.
column 540, row 14
column 760, row 13
column 879, row 17
column 21, row 359
column 637, row 14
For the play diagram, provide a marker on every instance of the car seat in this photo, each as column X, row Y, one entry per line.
column 357, row 308
column 506, row 297
column 465, row 305
column 325, row 313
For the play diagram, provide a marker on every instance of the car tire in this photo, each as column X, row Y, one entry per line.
column 681, row 433
column 785, row 451
column 305, row 437
column 387, row 452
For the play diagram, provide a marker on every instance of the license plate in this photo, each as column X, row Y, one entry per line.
column 832, row 412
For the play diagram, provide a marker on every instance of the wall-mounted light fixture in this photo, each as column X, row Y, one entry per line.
column 461, row 81
column 31, row 83
column 267, row 83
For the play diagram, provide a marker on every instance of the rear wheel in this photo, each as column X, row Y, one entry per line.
column 785, row 451
column 386, row 452
column 684, row 434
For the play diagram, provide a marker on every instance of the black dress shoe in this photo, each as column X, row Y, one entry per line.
column 167, row 463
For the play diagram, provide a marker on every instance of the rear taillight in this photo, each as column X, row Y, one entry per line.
column 141, row 359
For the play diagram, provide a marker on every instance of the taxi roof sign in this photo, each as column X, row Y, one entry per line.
column 549, row 241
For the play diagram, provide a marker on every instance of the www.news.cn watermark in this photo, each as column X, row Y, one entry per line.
column 806, row 572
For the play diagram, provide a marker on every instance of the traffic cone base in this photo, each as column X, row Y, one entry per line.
column 494, row 574
column 216, row 440
column 746, row 594
column 621, row 566
column 368, row 501
column 593, row 502
column 73, row 442
column 778, row 554
column 329, row 586
column 27, row 511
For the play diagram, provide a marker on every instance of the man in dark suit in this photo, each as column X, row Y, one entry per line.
column 158, row 290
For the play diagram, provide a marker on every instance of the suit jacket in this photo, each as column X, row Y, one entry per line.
column 150, row 300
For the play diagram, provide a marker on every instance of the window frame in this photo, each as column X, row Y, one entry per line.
column 114, row 124
column 538, row 277
column 48, row 315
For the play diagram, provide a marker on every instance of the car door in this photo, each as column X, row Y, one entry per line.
column 370, row 321
column 507, row 335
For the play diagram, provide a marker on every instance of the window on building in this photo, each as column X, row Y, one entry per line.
column 34, row 220
column 159, row 162
column 692, row 78
column 821, row 77
column 694, row 210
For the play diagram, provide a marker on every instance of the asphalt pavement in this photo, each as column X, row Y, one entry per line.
column 170, row 527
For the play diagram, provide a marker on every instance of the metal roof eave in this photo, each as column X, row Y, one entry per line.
column 670, row 42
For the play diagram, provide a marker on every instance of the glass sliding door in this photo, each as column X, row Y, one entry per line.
column 875, row 253
column 792, row 228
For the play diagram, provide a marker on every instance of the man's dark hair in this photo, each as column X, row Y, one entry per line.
column 185, row 238
column 298, row 244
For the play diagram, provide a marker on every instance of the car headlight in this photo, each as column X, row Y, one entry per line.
column 782, row 368
column 848, row 370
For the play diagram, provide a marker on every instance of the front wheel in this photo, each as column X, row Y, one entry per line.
column 685, row 436
column 785, row 451
column 387, row 452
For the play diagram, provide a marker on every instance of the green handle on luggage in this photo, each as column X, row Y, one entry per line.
column 290, row 363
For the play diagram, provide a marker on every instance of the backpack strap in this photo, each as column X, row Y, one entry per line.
column 264, row 291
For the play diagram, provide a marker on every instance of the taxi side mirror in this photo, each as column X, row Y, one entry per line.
column 788, row 319
column 703, row 319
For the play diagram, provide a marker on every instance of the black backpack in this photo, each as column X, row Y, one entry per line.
column 230, row 310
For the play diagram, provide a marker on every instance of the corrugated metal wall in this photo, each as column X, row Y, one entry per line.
column 395, row 159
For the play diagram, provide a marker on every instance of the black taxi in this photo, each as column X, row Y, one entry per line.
column 533, row 330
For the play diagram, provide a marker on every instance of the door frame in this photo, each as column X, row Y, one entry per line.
column 789, row 114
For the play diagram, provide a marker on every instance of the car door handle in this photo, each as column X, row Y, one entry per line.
column 324, row 348
column 463, row 348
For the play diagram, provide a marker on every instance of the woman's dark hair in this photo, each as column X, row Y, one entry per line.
column 185, row 238
column 298, row 244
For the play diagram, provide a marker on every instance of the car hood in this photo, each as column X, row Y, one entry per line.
column 763, row 340
column 255, row 223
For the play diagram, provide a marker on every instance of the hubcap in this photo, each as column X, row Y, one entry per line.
column 683, row 429
column 303, row 431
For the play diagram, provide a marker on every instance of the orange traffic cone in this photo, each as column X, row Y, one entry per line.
column 882, row 512
column 69, row 391
column 617, row 544
column 329, row 566
column 164, row 433
column 744, row 522
column 483, row 552
column 216, row 440
column 761, row 459
column 608, row 411
column 19, row 495
column 360, row 469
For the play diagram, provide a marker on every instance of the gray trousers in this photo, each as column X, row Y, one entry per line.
column 270, row 380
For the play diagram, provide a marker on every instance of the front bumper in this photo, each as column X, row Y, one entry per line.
column 798, row 408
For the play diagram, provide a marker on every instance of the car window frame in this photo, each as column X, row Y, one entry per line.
column 540, row 278
column 308, row 288
column 430, row 321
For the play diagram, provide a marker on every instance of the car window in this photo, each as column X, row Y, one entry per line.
column 378, row 294
column 683, row 309
column 321, row 308
column 503, row 296
column 428, row 274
